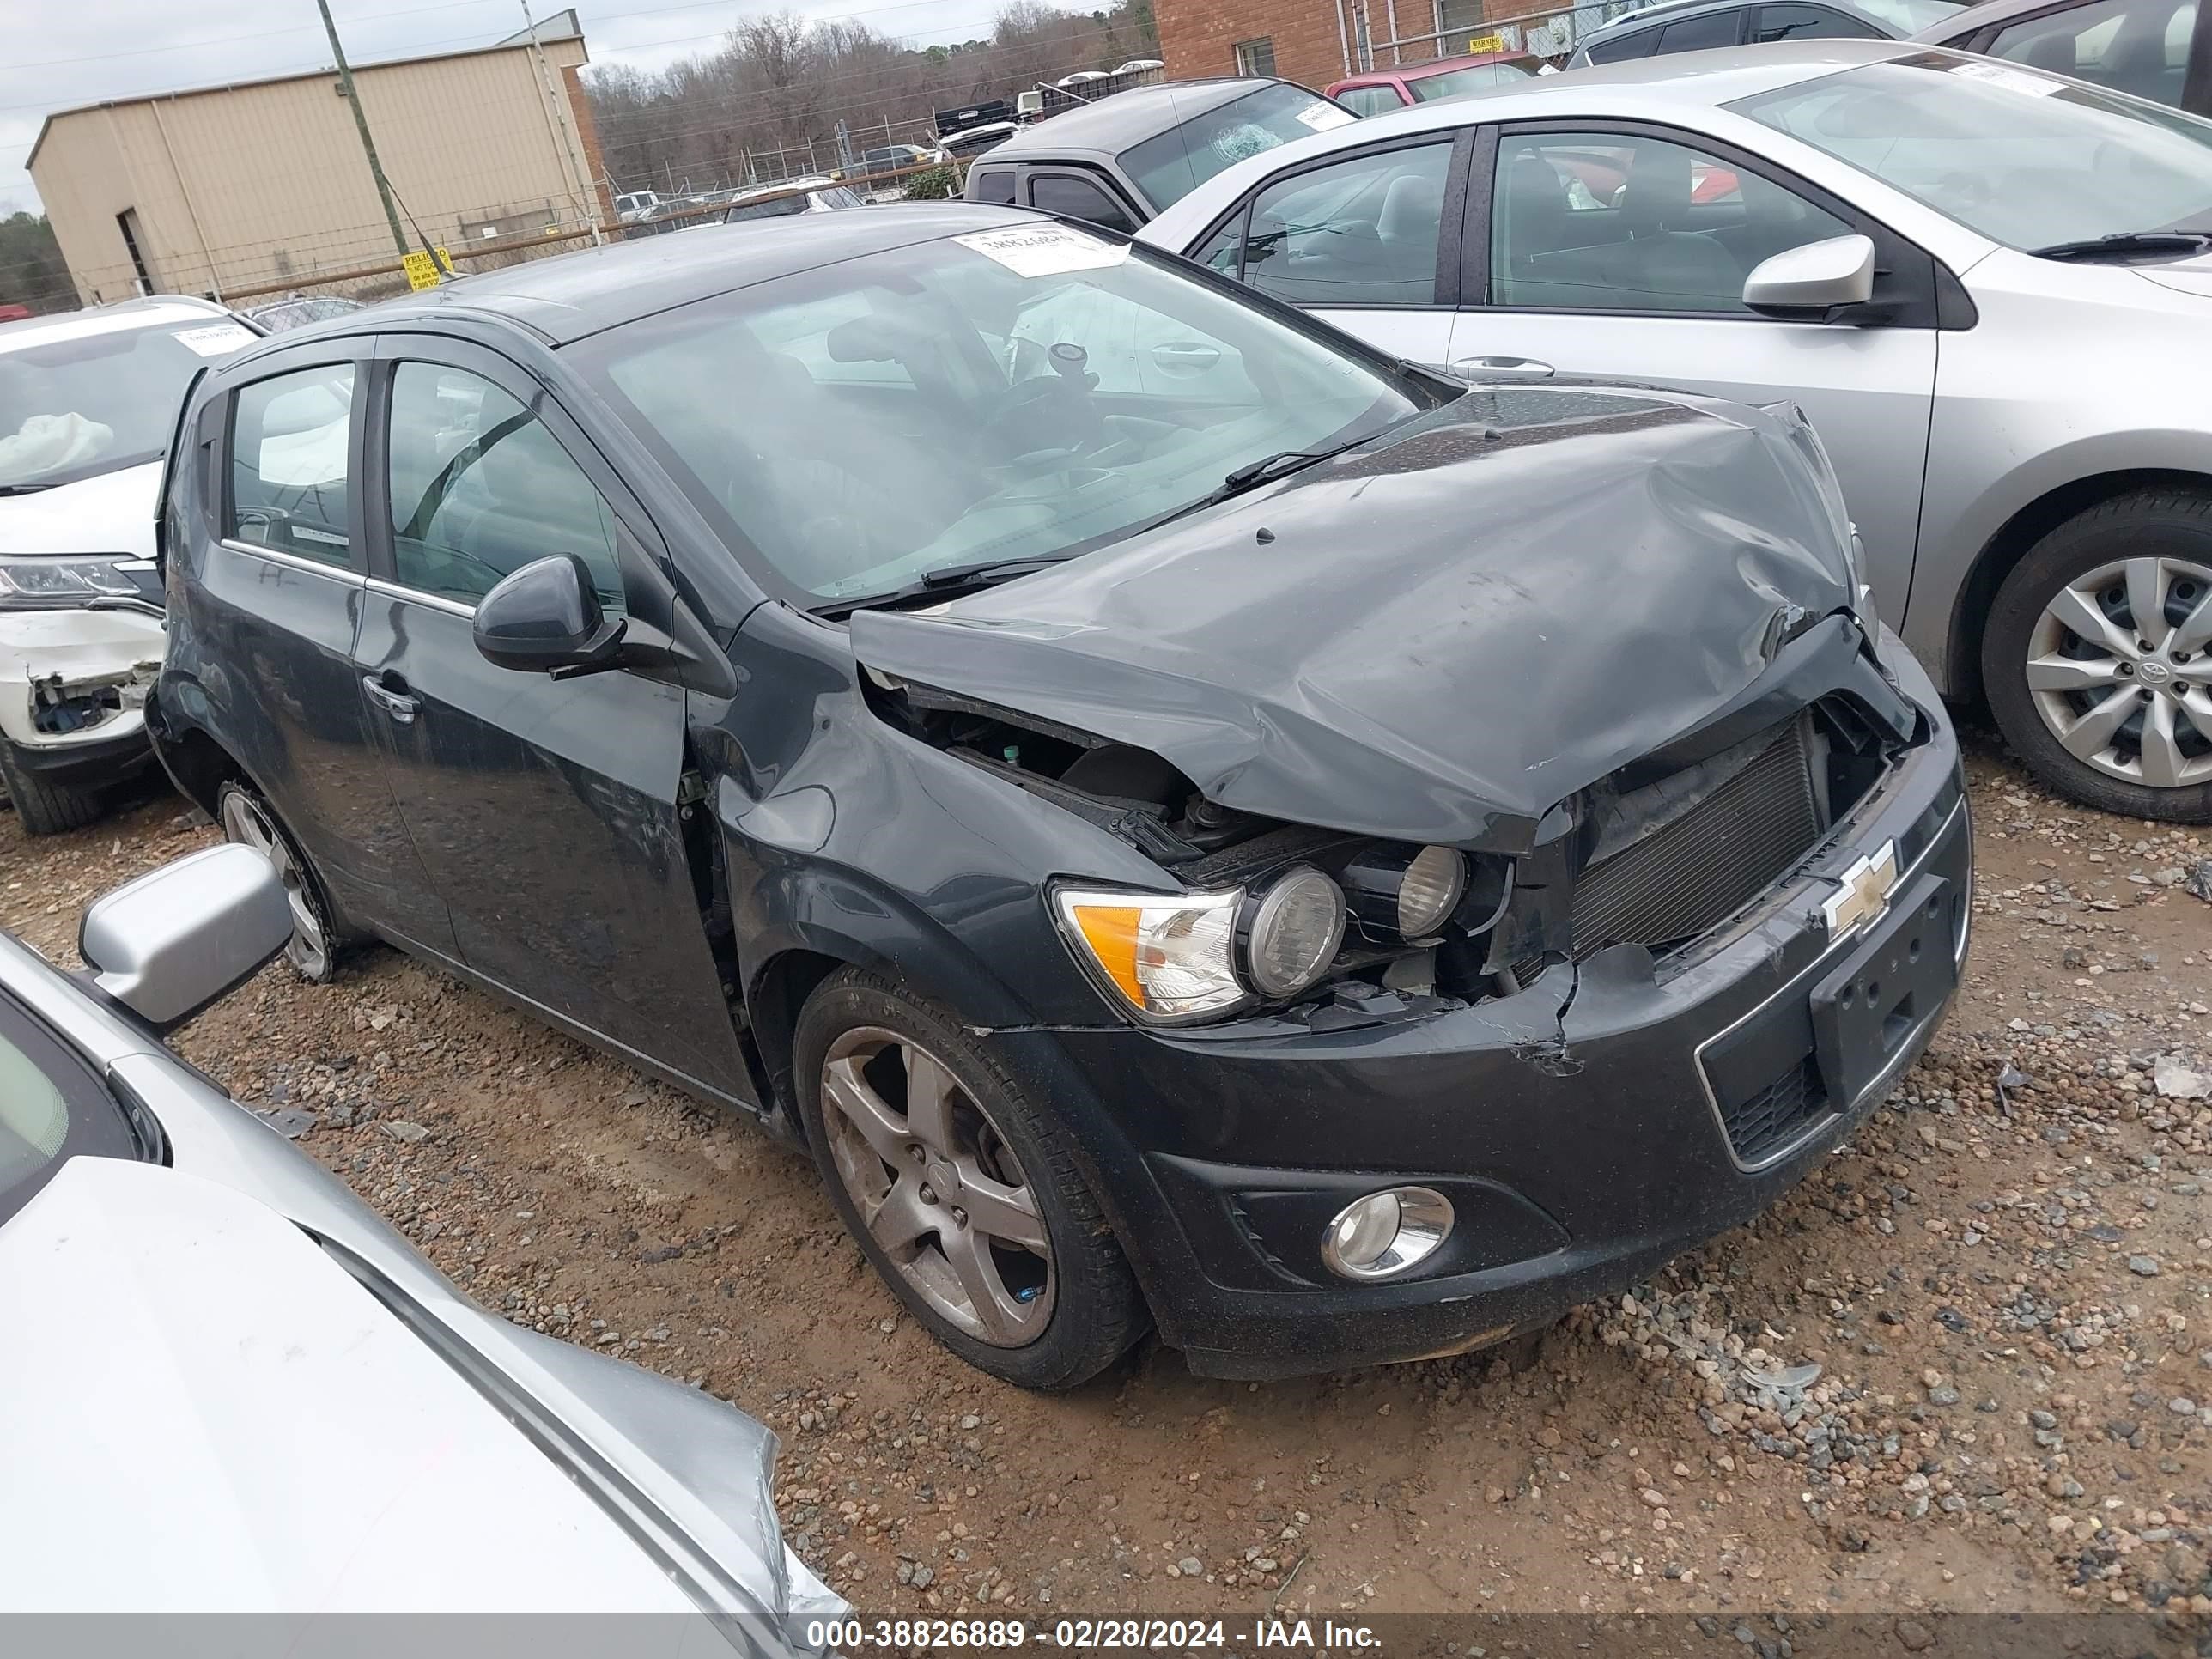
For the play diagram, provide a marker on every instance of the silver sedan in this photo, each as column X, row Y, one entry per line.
column 246, row 1394
column 1989, row 286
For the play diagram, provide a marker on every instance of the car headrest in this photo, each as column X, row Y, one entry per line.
column 1657, row 194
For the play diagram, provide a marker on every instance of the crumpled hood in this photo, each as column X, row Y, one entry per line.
column 109, row 513
column 1449, row 631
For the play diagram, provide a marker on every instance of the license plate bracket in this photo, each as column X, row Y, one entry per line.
column 1867, row 1010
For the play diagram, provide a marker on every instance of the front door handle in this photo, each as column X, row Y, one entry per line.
column 1517, row 368
column 398, row 704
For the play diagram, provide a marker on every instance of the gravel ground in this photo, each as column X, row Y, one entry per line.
column 1967, row 1367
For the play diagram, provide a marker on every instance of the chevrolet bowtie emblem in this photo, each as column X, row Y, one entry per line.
column 1862, row 891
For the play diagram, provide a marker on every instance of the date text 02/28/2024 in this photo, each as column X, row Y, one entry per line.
column 910, row 1635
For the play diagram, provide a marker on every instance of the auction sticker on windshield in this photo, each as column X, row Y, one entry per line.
column 216, row 339
column 2012, row 80
column 1044, row 250
column 1321, row 117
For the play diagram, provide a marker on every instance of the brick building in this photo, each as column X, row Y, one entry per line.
column 1318, row 41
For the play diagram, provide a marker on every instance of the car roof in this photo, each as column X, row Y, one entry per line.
column 1653, row 88
column 111, row 318
column 1114, row 123
column 1672, row 11
column 1960, row 24
column 569, row 295
column 1423, row 72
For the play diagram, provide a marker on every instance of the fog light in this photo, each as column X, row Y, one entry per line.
column 1387, row 1233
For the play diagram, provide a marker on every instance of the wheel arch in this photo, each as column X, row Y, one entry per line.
column 197, row 764
column 2001, row 554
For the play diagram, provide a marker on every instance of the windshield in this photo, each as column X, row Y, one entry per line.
column 1454, row 84
column 51, row 1108
column 1169, row 166
column 1022, row 393
column 2022, row 157
column 93, row 401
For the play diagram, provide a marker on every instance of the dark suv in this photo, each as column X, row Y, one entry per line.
column 1331, row 861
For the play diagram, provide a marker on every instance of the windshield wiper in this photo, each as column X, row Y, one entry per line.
column 22, row 489
column 2129, row 245
column 949, row 583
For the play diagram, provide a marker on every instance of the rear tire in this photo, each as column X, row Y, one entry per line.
column 994, row 1153
column 246, row 818
column 42, row 808
column 2103, row 704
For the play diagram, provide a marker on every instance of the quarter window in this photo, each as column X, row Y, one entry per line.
column 287, row 465
column 1600, row 221
column 1363, row 232
column 480, row 487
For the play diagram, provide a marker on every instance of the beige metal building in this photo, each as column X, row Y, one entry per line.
column 262, row 185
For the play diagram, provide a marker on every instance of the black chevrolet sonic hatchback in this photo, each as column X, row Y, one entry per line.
column 1192, row 822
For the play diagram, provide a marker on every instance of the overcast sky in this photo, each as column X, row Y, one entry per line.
column 66, row 53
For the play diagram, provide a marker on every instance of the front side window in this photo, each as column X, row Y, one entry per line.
column 1255, row 57
column 1475, row 77
column 2019, row 156
column 81, row 398
column 480, row 487
column 1603, row 222
column 1713, row 28
column 1363, row 232
column 1055, row 391
column 2138, row 46
column 1078, row 199
column 1170, row 166
column 288, row 439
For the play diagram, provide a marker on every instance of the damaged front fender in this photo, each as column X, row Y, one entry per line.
column 67, row 675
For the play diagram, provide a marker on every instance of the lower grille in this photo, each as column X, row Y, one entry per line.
column 1778, row 1114
column 1713, row 858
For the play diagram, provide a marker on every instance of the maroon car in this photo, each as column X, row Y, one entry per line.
column 1381, row 90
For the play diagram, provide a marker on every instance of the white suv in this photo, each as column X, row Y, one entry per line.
column 87, row 402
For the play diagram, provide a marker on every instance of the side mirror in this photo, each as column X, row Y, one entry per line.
column 1808, row 283
column 545, row 618
column 169, row 943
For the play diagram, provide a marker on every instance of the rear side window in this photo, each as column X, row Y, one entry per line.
column 480, row 487
column 995, row 186
column 1622, row 47
column 288, row 438
column 1078, row 199
column 1715, row 28
column 1805, row 23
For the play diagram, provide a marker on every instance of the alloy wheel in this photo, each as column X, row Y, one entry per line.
column 938, row 1186
column 245, row 820
column 2119, row 670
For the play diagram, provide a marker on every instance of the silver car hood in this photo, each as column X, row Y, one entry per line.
column 216, row 1417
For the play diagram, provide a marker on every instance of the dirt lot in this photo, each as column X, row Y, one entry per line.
column 2003, row 1281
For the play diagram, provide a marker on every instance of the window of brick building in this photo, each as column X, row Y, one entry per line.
column 1457, row 20
column 1255, row 56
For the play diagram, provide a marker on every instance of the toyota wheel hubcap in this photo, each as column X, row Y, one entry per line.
column 936, row 1186
column 2119, row 668
column 244, row 822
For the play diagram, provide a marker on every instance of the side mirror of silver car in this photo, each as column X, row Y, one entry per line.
column 169, row 943
column 1808, row 283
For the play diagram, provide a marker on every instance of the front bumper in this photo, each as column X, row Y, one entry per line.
column 73, row 687
column 1586, row 1130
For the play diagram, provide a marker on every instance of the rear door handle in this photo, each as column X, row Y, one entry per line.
column 1518, row 368
column 398, row 704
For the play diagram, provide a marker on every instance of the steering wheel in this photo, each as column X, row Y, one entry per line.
column 1050, row 411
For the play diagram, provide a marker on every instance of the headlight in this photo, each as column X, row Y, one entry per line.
column 42, row 581
column 1168, row 957
column 1292, row 931
column 1398, row 896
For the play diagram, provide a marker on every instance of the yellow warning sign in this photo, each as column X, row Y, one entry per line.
column 1486, row 43
column 423, row 270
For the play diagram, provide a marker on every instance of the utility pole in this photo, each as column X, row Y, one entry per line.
column 360, row 123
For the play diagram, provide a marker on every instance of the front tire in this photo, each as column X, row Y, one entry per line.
column 963, row 1195
column 2097, row 657
column 42, row 808
column 249, row 820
